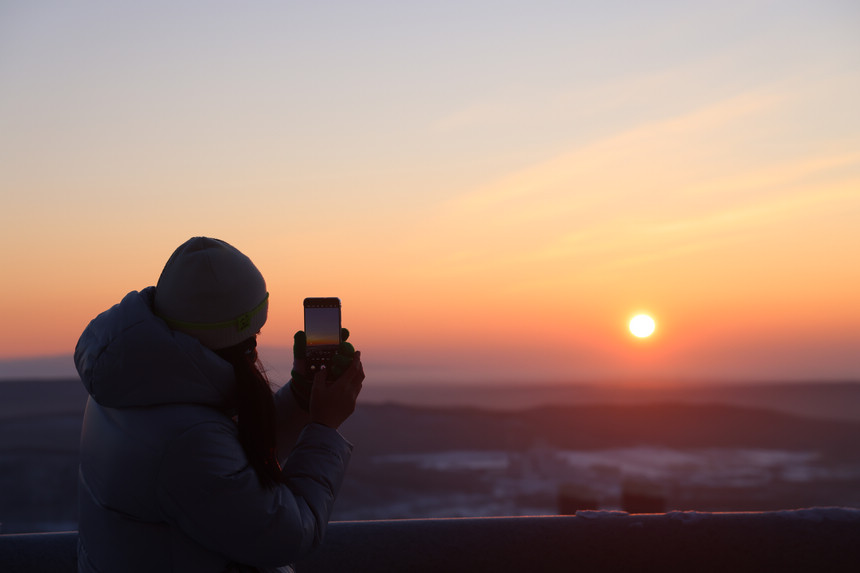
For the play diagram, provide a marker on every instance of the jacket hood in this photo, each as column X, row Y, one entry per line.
column 128, row 357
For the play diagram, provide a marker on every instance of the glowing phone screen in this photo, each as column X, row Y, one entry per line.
column 322, row 325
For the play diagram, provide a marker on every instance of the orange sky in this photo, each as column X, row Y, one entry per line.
column 485, row 209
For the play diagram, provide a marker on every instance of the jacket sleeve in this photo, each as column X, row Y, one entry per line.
column 291, row 420
column 209, row 490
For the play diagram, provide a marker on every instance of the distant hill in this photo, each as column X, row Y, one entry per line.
column 386, row 429
column 666, row 419
column 825, row 399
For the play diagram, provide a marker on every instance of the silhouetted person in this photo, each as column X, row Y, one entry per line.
column 189, row 462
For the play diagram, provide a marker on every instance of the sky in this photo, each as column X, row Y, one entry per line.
column 493, row 188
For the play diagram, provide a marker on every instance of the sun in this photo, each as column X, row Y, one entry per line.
column 642, row 325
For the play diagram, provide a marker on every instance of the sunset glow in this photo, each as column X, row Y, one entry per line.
column 486, row 209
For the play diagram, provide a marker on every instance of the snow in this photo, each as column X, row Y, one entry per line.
column 708, row 466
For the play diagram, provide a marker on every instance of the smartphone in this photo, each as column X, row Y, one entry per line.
column 322, row 329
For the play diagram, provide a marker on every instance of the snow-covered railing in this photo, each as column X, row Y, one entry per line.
column 821, row 539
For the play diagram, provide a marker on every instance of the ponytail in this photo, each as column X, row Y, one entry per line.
column 255, row 408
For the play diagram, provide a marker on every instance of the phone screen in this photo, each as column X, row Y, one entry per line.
column 322, row 321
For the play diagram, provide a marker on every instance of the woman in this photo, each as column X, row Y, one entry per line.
column 188, row 461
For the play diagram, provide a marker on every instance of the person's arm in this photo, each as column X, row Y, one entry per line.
column 330, row 404
column 303, row 400
column 207, row 489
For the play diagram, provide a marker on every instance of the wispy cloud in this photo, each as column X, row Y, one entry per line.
column 596, row 169
column 664, row 190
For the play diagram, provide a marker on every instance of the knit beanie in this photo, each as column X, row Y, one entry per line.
column 210, row 290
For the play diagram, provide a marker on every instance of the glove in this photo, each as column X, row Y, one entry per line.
column 300, row 382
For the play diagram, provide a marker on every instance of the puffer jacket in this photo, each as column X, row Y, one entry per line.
column 164, row 484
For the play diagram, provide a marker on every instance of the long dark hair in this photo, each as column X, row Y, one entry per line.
column 255, row 409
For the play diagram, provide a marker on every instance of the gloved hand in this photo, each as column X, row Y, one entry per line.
column 301, row 381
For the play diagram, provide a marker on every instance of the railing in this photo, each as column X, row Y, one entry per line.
column 823, row 539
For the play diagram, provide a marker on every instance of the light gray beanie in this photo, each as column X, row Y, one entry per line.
column 210, row 290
